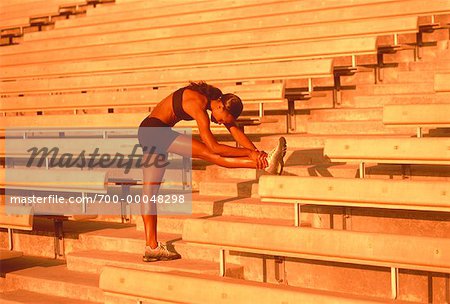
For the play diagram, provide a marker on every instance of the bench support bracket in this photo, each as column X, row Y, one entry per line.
column 338, row 72
column 280, row 270
column 297, row 210
column 362, row 170
column 419, row 132
column 10, row 239
column 394, row 282
column 59, row 238
column 222, row 262
column 426, row 28
column 291, row 115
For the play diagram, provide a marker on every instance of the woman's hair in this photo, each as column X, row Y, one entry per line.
column 231, row 102
column 211, row 92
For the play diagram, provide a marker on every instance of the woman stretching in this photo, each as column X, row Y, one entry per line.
column 191, row 103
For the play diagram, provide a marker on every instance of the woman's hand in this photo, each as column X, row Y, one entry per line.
column 260, row 157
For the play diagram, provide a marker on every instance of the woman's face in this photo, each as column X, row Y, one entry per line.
column 221, row 116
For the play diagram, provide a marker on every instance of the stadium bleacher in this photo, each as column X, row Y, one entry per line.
column 359, row 88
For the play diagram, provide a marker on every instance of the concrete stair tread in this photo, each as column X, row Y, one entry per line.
column 229, row 186
column 213, row 171
column 183, row 216
column 353, row 127
column 134, row 261
column 307, row 140
column 72, row 228
column 197, row 197
column 364, row 101
column 347, row 114
column 230, row 180
column 245, row 201
column 370, row 121
column 225, row 199
column 230, row 281
column 131, row 233
column 58, row 273
column 243, row 219
column 393, row 84
column 38, row 274
column 30, row 297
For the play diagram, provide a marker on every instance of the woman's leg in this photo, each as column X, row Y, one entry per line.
column 183, row 144
column 152, row 176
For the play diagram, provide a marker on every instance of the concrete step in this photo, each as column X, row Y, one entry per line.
column 93, row 261
column 344, row 170
column 365, row 101
column 52, row 279
column 248, row 207
column 363, row 76
column 304, row 156
column 354, row 127
column 40, row 241
column 130, row 240
column 233, row 187
column 213, row 289
column 435, row 65
column 22, row 296
column 395, row 89
column 343, row 114
column 214, row 172
column 170, row 223
column 173, row 224
column 317, row 102
column 294, row 141
column 303, row 147
column 392, row 75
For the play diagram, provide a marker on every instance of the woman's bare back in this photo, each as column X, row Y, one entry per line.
column 164, row 109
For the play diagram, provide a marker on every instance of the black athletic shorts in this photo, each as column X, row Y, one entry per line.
column 153, row 134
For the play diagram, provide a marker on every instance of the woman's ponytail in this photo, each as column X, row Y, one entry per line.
column 231, row 102
column 211, row 92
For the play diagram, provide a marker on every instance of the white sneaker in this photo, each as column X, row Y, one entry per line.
column 275, row 157
column 159, row 253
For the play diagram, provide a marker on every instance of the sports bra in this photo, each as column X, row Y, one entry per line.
column 177, row 105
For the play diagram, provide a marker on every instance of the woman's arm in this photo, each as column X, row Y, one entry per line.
column 244, row 141
column 239, row 136
column 211, row 142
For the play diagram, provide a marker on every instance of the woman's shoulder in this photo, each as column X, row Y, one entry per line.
column 190, row 94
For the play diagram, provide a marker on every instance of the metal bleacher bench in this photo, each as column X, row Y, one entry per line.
column 417, row 115
column 162, row 55
column 169, row 287
column 107, row 134
column 392, row 251
column 271, row 93
column 24, row 182
column 14, row 218
column 276, row 49
column 426, row 151
column 349, row 192
column 16, row 17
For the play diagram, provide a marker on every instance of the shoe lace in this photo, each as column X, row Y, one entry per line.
column 270, row 154
column 163, row 248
